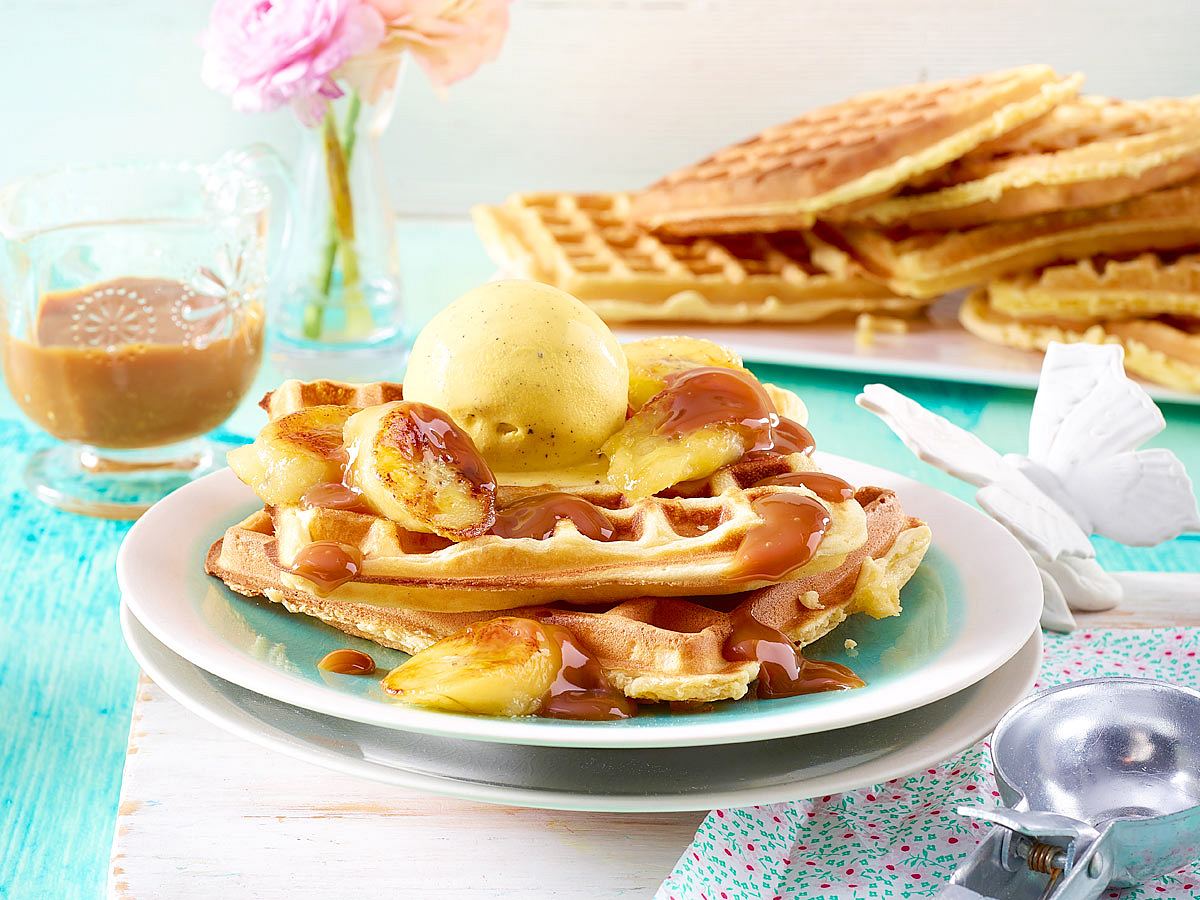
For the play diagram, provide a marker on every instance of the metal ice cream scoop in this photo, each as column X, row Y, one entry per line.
column 1100, row 781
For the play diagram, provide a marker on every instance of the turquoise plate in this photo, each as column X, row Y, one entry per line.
column 970, row 607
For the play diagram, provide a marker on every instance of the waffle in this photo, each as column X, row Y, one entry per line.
column 662, row 547
column 294, row 395
column 657, row 649
column 926, row 264
column 1147, row 285
column 847, row 153
column 587, row 245
column 1088, row 152
column 1166, row 350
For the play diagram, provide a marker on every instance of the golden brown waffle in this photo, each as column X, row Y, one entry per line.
column 294, row 395
column 1166, row 351
column 1086, row 152
column 1147, row 285
column 651, row 648
column 587, row 245
column 664, row 547
column 927, row 263
column 843, row 154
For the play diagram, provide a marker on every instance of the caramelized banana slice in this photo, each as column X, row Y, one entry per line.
column 705, row 418
column 414, row 465
column 293, row 453
column 653, row 360
column 502, row 667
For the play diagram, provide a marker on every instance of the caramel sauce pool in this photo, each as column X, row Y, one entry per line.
column 784, row 671
column 581, row 690
column 119, row 365
column 347, row 662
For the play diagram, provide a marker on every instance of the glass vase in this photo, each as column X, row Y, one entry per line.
column 339, row 289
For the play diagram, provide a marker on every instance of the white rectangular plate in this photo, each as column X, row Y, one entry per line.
column 939, row 349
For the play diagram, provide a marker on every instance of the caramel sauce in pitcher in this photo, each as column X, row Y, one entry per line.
column 327, row 564
column 536, row 516
column 784, row 671
column 132, row 363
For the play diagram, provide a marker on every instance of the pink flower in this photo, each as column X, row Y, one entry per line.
column 267, row 53
column 449, row 39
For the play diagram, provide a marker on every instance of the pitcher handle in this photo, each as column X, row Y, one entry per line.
column 265, row 162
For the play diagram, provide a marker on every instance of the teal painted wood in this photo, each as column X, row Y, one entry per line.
column 67, row 683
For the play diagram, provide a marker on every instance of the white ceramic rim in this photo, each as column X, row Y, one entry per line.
column 1001, row 586
column 998, row 693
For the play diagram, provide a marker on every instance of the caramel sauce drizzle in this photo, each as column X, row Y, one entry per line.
column 536, row 516
column 450, row 444
column 347, row 662
column 783, row 670
column 327, row 564
column 792, row 529
column 581, row 690
column 789, row 436
column 708, row 395
column 335, row 495
column 829, row 488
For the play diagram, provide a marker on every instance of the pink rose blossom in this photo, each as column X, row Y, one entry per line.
column 267, row 53
column 449, row 39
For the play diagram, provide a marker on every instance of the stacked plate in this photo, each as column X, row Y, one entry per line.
column 938, row 678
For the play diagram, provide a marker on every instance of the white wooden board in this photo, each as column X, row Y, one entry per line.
column 205, row 814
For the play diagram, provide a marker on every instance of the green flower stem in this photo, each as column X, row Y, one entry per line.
column 338, row 152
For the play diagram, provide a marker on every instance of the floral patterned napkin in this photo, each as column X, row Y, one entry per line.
column 902, row 839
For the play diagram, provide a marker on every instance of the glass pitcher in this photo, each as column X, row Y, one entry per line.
column 133, row 312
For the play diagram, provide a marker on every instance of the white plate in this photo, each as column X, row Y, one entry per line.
column 969, row 609
column 942, row 350
column 646, row 780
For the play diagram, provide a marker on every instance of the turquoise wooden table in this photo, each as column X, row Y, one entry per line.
column 67, row 683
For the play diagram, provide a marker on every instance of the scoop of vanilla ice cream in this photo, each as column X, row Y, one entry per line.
column 533, row 375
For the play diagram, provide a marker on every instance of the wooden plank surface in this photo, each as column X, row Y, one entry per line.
column 205, row 814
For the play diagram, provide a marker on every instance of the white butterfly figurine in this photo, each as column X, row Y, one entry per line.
column 1083, row 475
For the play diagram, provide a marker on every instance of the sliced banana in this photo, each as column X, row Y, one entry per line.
column 642, row 462
column 293, row 453
column 501, row 667
column 419, row 469
column 652, row 360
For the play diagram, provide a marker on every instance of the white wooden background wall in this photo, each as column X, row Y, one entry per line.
column 587, row 94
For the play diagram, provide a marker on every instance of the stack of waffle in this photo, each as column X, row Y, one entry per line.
column 1069, row 216
column 654, row 604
